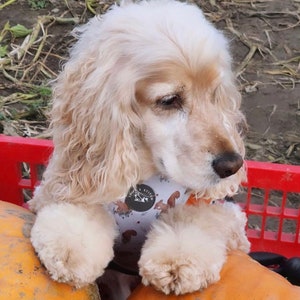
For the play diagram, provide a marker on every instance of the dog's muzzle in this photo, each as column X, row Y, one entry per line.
column 227, row 164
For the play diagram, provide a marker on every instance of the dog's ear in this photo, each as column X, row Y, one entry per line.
column 94, row 121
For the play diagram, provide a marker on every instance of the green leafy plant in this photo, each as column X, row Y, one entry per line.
column 38, row 4
column 19, row 31
column 3, row 51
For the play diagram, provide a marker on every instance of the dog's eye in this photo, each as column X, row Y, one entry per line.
column 170, row 102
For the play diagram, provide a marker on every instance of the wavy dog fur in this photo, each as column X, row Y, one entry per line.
column 148, row 89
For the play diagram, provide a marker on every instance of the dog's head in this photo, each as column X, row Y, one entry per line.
column 149, row 88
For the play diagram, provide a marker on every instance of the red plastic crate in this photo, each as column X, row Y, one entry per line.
column 274, row 224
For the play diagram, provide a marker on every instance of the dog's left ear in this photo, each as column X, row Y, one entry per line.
column 118, row 129
column 116, row 125
column 95, row 118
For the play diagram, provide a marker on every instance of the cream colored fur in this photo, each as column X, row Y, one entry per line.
column 187, row 247
column 68, row 250
column 112, row 128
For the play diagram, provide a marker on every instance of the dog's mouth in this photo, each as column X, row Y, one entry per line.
column 220, row 175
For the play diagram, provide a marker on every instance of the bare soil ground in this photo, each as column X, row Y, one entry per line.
column 265, row 42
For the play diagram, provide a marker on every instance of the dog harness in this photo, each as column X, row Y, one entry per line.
column 135, row 213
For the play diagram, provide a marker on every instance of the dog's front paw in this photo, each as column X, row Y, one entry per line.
column 179, row 276
column 181, row 263
column 75, row 244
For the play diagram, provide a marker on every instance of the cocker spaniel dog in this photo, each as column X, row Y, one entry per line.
column 145, row 112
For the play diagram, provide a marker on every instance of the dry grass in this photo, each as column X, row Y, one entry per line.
column 30, row 61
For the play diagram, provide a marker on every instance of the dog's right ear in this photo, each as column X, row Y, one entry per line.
column 95, row 119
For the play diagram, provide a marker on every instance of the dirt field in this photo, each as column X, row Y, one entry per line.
column 265, row 42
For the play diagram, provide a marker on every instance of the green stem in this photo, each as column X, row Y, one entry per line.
column 7, row 3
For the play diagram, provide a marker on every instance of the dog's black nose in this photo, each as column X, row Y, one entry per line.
column 227, row 164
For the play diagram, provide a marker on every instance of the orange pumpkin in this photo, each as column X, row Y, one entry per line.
column 242, row 278
column 21, row 274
